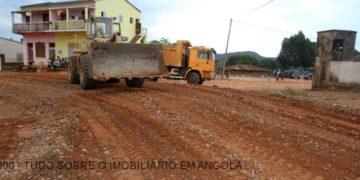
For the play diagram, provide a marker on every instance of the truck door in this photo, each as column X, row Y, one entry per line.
column 205, row 60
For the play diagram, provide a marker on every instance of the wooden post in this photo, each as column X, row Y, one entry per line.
column 226, row 51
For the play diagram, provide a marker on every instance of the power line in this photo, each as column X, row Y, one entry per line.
column 263, row 27
column 257, row 8
column 228, row 38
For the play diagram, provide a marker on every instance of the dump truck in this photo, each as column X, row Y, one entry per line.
column 194, row 64
column 107, row 58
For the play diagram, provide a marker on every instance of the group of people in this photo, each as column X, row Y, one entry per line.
column 55, row 63
column 279, row 74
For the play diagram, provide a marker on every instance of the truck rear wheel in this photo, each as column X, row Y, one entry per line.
column 86, row 81
column 73, row 71
column 194, row 78
column 135, row 82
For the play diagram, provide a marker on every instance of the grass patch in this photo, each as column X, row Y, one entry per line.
column 289, row 92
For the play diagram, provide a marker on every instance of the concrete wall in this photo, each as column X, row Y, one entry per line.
column 62, row 41
column 10, row 49
column 346, row 72
column 116, row 8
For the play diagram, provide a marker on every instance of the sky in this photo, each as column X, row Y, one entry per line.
column 206, row 22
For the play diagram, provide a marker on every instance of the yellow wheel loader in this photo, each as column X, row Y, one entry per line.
column 107, row 59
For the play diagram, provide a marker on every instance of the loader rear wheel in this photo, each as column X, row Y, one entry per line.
column 135, row 82
column 194, row 78
column 73, row 71
column 86, row 81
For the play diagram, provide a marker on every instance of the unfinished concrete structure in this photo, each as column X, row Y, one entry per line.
column 335, row 65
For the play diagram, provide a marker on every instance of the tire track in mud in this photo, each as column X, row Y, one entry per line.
column 289, row 131
column 169, row 129
column 159, row 141
column 283, row 110
column 227, row 136
column 270, row 137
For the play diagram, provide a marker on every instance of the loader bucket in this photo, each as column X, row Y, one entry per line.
column 120, row 60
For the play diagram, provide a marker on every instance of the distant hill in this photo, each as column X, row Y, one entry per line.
column 220, row 57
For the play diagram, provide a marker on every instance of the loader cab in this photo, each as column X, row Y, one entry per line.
column 101, row 29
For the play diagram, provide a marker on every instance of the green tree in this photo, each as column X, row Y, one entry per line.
column 163, row 41
column 269, row 63
column 233, row 60
column 296, row 51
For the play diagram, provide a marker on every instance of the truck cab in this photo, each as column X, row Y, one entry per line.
column 202, row 59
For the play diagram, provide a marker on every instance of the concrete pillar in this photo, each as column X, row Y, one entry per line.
column 67, row 19
column 86, row 13
column 30, row 20
column 25, row 53
column 47, row 54
column 50, row 20
column 34, row 52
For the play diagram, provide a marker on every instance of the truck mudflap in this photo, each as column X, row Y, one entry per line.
column 120, row 60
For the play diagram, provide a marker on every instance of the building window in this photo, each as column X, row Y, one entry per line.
column 121, row 18
column 131, row 20
column 103, row 14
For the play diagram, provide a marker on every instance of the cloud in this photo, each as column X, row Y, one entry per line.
column 206, row 22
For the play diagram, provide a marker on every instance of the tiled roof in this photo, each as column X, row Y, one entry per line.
column 245, row 67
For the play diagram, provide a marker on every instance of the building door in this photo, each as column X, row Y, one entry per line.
column 71, row 47
column 52, row 51
column 138, row 27
column 45, row 17
column 30, row 50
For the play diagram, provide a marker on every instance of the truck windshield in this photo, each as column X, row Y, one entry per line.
column 203, row 55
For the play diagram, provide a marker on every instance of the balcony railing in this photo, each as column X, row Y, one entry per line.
column 30, row 27
column 68, row 25
column 72, row 25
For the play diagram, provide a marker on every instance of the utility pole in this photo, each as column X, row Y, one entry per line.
column 226, row 50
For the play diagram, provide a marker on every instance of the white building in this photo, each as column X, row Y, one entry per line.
column 10, row 51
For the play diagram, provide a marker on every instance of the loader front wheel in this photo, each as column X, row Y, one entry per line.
column 86, row 81
column 73, row 71
column 135, row 82
column 193, row 78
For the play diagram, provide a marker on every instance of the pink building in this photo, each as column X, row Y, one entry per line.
column 48, row 29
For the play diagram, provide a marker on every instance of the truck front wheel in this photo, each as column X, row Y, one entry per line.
column 73, row 71
column 86, row 81
column 194, row 78
column 134, row 82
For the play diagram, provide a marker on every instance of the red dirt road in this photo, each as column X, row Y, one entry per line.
column 43, row 119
